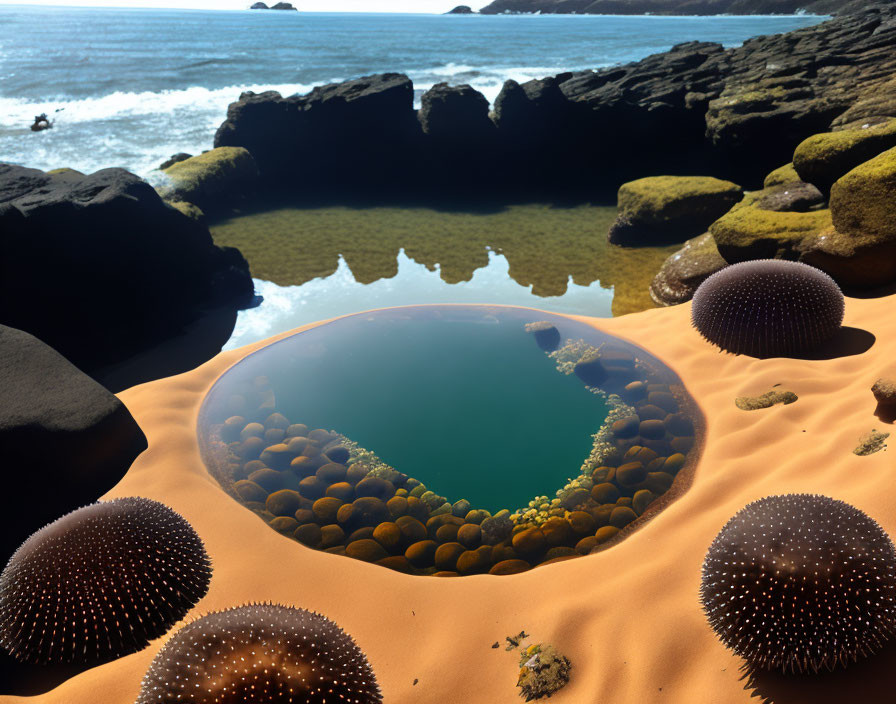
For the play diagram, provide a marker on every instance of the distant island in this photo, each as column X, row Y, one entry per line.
column 461, row 10
column 673, row 7
column 278, row 6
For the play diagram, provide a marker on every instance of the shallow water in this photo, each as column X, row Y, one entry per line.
column 319, row 263
column 406, row 419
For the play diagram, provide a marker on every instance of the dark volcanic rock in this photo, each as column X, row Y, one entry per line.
column 181, row 156
column 697, row 109
column 459, row 137
column 255, row 6
column 461, row 10
column 101, row 269
column 671, row 7
column 65, row 439
column 283, row 6
column 356, row 136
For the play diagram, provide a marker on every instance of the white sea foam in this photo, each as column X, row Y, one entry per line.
column 288, row 307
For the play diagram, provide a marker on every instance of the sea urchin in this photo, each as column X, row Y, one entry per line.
column 101, row 582
column 260, row 654
column 768, row 308
column 800, row 582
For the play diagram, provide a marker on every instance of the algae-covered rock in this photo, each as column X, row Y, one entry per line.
column 782, row 175
column 213, row 180
column 824, row 158
column 748, row 232
column 863, row 201
column 543, row 671
column 766, row 400
column 665, row 209
column 685, row 270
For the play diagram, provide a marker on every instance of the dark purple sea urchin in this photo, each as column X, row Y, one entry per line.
column 260, row 654
column 768, row 308
column 101, row 582
column 799, row 583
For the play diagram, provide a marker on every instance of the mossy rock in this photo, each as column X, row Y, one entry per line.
column 859, row 250
column 781, row 176
column 331, row 535
column 666, row 209
column 823, row 158
column 748, row 232
column 684, row 271
column 284, row 524
column 250, row 491
column 308, row 534
column 606, row 533
column 447, row 554
column 192, row 211
column 212, row 180
column 469, row 535
column 529, row 541
column 326, row 509
column 422, row 553
column 388, row 535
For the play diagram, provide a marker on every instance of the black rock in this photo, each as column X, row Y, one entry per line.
column 257, row 6
column 101, row 269
column 461, row 10
column 283, row 6
column 66, row 440
column 183, row 156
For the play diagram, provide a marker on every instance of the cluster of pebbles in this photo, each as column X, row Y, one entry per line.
column 319, row 488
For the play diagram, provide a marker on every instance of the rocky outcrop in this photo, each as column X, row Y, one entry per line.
column 461, row 10
column 860, row 249
column 697, row 109
column 283, row 6
column 65, row 439
column 259, row 6
column 101, row 269
column 670, row 7
column 685, row 270
column 823, row 158
column 216, row 180
column 668, row 209
column 354, row 137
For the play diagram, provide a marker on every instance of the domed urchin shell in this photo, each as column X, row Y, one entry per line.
column 800, row 582
column 260, row 654
column 768, row 308
column 101, row 582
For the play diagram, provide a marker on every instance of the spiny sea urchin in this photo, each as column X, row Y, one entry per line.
column 101, row 582
column 260, row 654
column 800, row 582
column 768, row 308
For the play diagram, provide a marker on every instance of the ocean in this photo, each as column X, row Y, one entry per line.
column 129, row 87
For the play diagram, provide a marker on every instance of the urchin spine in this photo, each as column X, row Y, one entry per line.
column 801, row 583
column 260, row 654
column 101, row 582
column 768, row 307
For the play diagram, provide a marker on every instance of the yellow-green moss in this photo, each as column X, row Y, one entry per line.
column 781, row 175
column 656, row 200
column 747, row 232
column 823, row 158
column 863, row 202
column 208, row 176
column 64, row 172
column 543, row 245
column 191, row 211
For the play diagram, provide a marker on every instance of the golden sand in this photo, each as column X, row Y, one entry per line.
column 628, row 618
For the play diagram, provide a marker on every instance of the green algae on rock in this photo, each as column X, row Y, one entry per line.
column 664, row 209
column 766, row 400
column 781, row 175
column 870, row 443
column 823, row 158
column 683, row 272
column 333, row 494
column 543, row 671
column 212, row 180
column 748, row 232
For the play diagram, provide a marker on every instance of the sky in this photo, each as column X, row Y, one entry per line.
column 307, row 5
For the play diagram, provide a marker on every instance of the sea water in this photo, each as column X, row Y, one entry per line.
column 130, row 87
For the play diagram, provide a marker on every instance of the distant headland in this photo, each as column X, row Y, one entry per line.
column 278, row 6
column 673, row 7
